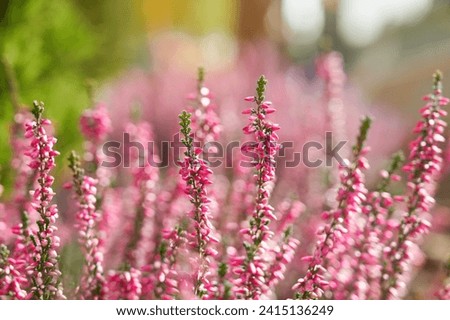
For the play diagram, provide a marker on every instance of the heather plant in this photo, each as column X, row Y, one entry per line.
column 44, row 270
column 199, row 231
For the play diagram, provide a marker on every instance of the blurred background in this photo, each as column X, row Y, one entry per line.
column 55, row 50
column 55, row 47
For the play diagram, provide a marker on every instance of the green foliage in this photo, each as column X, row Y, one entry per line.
column 52, row 47
column 185, row 124
column 38, row 109
column 261, row 89
column 47, row 44
column 362, row 136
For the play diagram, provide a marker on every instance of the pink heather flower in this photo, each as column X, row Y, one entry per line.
column 87, row 218
column 374, row 232
column 290, row 211
column 195, row 172
column 24, row 174
column 160, row 277
column 335, row 238
column 284, row 253
column 11, row 280
column 141, row 246
column 45, row 271
column 251, row 269
column 124, row 285
column 330, row 67
column 285, row 249
column 422, row 167
column 21, row 256
column 233, row 215
column 205, row 122
column 163, row 278
column 95, row 123
column 170, row 205
column 22, row 253
column 11, row 211
column 110, row 234
column 146, row 180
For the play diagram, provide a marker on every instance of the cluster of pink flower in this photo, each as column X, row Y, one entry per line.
column 92, row 281
column 155, row 233
column 45, row 273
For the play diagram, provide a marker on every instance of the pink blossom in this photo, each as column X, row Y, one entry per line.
column 334, row 237
column 46, row 283
column 95, row 123
column 92, row 279
column 145, row 174
column 251, row 282
column 423, row 165
column 330, row 67
column 205, row 122
column 24, row 174
column 163, row 278
column 195, row 172
column 124, row 285
column 12, row 281
column 374, row 232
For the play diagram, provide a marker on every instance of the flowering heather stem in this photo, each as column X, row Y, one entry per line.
column 46, row 275
column 95, row 125
column 145, row 245
column 284, row 253
column 285, row 249
column 350, row 195
column 124, row 285
column 24, row 175
column 423, row 165
column 166, row 285
column 23, row 247
column 370, row 240
column 141, row 229
column 92, row 280
column 330, row 67
column 11, row 280
column 204, row 123
column 252, row 270
column 195, row 172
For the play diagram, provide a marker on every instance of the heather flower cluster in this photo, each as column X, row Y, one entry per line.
column 201, row 232
column 422, row 168
column 195, row 172
column 252, row 267
column 92, row 281
column 44, row 269
column 12, row 280
column 336, row 236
